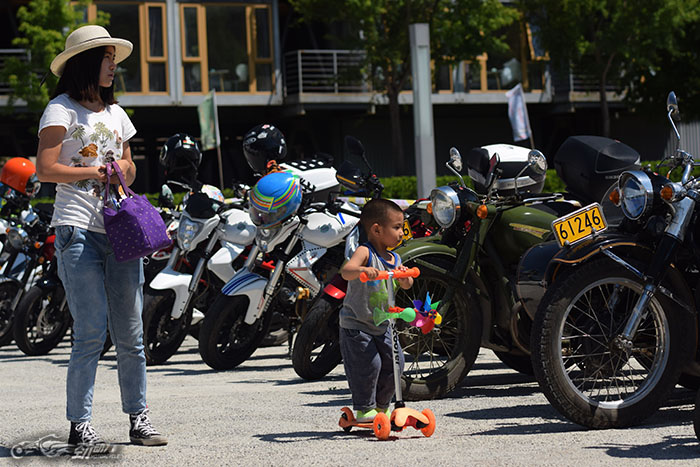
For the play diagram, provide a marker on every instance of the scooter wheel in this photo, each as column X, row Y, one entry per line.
column 430, row 429
column 382, row 426
column 347, row 416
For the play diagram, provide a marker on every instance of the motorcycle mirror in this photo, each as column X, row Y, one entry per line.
column 672, row 104
column 456, row 159
column 674, row 114
column 537, row 161
column 355, row 148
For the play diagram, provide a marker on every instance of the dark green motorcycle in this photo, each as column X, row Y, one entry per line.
column 472, row 266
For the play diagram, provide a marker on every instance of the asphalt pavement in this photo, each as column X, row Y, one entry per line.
column 263, row 414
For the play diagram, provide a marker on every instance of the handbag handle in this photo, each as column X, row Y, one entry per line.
column 118, row 171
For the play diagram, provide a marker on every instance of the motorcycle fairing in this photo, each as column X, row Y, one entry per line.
column 251, row 285
column 299, row 266
column 179, row 282
column 221, row 262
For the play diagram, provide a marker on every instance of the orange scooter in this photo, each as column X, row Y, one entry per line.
column 401, row 416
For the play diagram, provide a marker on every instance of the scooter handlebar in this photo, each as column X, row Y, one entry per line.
column 383, row 275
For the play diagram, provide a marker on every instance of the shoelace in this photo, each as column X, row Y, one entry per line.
column 143, row 424
column 87, row 433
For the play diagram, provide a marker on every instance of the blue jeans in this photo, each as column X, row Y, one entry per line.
column 369, row 368
column 101, row 292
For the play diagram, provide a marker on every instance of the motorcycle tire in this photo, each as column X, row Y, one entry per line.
column 8, row 291
column 41, row 320
column 582, row 372
column 225, row 340
column 517, row 361
column 696, row 416
column 438, row 361
column 162, row 335
column 316, row 350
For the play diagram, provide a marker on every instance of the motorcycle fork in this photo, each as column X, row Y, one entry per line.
column 662, row 259
column 199, row 269
column 463, row 263
column 28, row 271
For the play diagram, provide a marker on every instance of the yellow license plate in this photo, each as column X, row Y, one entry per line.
column 579, row 225
column 407, row 233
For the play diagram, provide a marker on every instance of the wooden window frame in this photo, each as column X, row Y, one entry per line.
column 202, row 59
column 144, row 42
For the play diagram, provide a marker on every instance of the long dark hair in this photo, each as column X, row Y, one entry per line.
column 81, row 78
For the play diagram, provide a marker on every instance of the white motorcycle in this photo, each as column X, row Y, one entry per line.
column 307, row 250
column 212, row 238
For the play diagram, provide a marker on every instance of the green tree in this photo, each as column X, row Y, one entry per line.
column 459, row 30
column 43, row 26
column 615, row 40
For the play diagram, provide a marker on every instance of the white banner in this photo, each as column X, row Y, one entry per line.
column 517, row 112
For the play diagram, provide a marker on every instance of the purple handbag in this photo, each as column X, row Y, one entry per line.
column 135, row 228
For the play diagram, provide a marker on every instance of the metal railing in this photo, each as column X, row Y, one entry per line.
column 22, row 54
column 324, row 71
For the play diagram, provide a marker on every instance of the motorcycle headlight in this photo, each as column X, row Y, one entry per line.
column 636, row 193
column 187, row 231
column 263, row 236
column 445, row 202
column 17, row 237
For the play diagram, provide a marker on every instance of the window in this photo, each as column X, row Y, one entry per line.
column 145, row 70
column 227, row 47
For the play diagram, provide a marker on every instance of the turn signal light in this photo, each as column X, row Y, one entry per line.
column 614, row 196
column 429, row 208
column 37, row 245
column 667, row 193
column 482, row 211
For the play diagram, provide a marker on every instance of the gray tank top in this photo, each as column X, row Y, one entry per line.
column 362, row 297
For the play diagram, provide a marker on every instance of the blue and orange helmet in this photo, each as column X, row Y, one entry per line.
column 274, row 199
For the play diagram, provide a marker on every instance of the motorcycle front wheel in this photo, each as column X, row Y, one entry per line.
column 8, row 291
column 162, row 335
column 316, row 349
column 438, row 361
column 578, row 361
column 41, row 320
column 225, row 340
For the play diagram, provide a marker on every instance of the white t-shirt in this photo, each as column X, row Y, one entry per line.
column 91, row 139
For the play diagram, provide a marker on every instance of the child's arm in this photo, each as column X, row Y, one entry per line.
column 404, row 282
column 354, row 267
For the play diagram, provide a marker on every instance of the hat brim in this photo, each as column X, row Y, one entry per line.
column 122, row 48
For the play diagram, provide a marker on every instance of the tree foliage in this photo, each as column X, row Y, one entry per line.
column 43, row 26
column 459, row 30
column 618, row 41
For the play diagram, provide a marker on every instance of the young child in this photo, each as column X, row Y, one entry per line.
column 366, row 348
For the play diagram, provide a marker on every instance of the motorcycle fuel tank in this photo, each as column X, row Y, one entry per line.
column 327, row 230
column 239, row 228
column 520, row 228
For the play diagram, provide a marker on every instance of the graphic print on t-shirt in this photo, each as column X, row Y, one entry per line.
column 98, row 148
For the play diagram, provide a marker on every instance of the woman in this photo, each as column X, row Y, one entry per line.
column 81, row 130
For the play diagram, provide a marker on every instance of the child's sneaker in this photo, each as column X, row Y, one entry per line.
column 82, row 433
column 386, row 411
column 366, row 417
column 142, row 432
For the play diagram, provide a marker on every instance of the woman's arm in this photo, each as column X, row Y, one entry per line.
column 127, row 166
column 48, row 168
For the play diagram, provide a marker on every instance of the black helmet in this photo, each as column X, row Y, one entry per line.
column 262, row 144
column 181, row 157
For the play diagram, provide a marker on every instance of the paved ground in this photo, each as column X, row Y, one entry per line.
column 263, row 414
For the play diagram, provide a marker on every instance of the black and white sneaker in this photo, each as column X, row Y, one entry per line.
column 83, row 433
column 142, row 432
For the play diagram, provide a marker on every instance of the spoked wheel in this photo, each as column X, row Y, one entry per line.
column 41, row 320
column 317, row 347
column 438, row 361
column 582, row 366
column 225, row 340
column 8, row 291
column 162, row 335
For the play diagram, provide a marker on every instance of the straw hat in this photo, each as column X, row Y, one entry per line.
column 89, row 37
